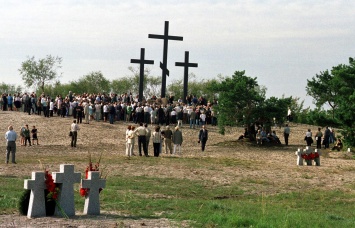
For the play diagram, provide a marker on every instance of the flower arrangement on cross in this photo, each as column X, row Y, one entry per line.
column 84, row 192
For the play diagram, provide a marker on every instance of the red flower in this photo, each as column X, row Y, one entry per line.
column 83, row 192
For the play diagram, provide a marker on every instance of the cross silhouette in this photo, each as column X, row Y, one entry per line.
column 186, row 66
column 163, row 65
column 141, row 62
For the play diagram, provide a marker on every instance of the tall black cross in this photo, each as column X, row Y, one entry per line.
column 186, row 66
column 141, row 61
column 163, row 65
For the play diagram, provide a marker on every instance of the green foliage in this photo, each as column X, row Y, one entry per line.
column 324, row 89
column 24, row 201
column 336, row 87
column 122, row 85
column 94, row 82
column 274, row 108
column 128, row 84
column 9, row 88
column 239, row 98
column 39, row 73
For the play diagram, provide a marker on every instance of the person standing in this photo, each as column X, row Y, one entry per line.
column 148, row 135
column 203, row 137
column 27, row 135
column 326, row 137
column 286, row 133
column 192, row 118
column 10, row 137
column 308, row 137
column 142, row 133
column 127, row 145
column 74, row 128
column 86, row 112
column 79, row 113
column 177, row 140
column 156, row 141
column 112, row 113
column 289, row 115
column 319, row 136
column 167, row 140
column 34, row 135
column 130, row 141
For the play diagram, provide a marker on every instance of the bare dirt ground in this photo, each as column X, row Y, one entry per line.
column 262, row 169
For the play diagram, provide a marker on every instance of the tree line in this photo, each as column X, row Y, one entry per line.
column 241, row 100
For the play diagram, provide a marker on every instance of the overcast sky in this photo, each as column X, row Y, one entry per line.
column 282, row 43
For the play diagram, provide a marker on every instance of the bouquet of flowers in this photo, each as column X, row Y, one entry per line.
column 53, row 191
column 85, row 191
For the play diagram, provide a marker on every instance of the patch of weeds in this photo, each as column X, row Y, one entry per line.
column 335, row 217
column 306, row 176
column 255, row 181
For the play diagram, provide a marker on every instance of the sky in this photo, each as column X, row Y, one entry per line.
column 281, row 43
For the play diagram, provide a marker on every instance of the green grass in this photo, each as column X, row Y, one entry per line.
column 208, row 205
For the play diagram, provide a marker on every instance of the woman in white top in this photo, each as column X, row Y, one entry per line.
column 308, row 137
column 156, row 137
column 130, row 141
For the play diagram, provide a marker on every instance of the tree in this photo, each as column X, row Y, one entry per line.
column 345, row 76
column 9, row 88
column 38, row 73
column 122, row 85
column 239, row 98
column 337, row 88
column 93, row 82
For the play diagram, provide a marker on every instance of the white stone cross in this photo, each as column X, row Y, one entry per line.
column 92, row 201
column 66, row 179
column 37, row 205
column 299, row 157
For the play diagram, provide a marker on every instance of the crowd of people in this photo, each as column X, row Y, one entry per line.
column 323, row 139
column 85, row 108
column 161, row 113
column 114, row 107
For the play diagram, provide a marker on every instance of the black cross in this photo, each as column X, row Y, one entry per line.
column 163, row 65
column 141, row 61
column 186, row 66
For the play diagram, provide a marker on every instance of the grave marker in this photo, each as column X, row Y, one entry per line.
column 37, row 204
column 163, row 65
column 186, row 66
column 92, row 201
column 66, row 179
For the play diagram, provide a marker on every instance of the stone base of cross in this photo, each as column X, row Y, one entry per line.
column 65, row 179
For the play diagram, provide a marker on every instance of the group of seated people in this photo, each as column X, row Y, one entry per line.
column 262, row 136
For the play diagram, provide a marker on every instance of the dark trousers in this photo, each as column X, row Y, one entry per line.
column 156, row 149
column 326, row 142
column 27, row 139
column 142, row 142
column 203, row 144
column 79, row 118
column 10, row 148
column 286, row 138
column 319, row 143
column 74, row 137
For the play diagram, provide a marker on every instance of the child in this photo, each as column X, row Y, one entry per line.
column 34, row 135
column 22, row 141
column 26, row 133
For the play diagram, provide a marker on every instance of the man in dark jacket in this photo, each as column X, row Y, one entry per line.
column 203, row 137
